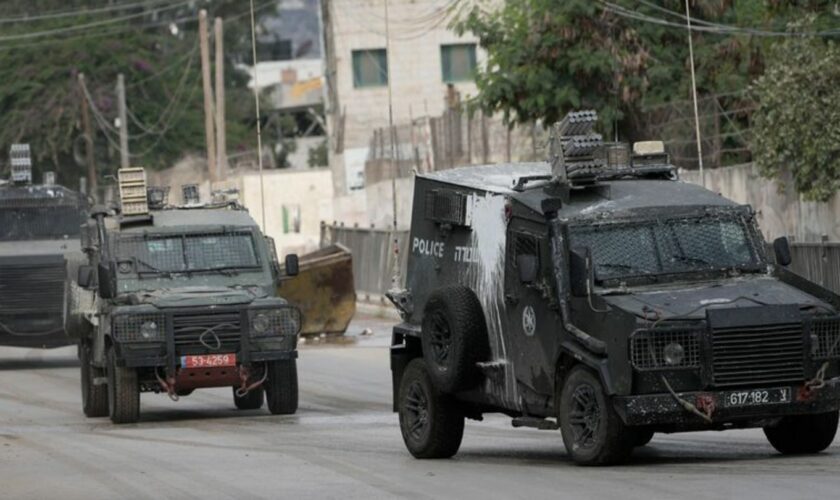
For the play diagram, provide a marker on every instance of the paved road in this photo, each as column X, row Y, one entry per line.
column 343, row 443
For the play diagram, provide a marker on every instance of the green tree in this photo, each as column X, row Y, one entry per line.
column 797, row 123
column 154, row 44
column 622, row 57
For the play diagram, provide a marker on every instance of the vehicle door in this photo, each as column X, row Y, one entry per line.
column 531, row 317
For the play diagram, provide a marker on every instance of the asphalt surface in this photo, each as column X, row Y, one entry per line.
column 344, row 443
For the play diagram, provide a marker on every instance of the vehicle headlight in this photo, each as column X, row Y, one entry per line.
column 261, row 323
column 673, row 354
column 144, row 327
column 275, row 322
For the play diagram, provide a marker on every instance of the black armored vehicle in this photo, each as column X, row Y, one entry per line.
column 598, row 295
column 183, row 298
column 39, row 248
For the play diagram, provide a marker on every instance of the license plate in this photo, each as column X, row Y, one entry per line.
column 756, row 397
column 208, row 360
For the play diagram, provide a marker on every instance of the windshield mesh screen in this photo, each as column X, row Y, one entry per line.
column 190, row 252
column 669, row 245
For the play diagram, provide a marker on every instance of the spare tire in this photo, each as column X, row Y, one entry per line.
column 454, row 338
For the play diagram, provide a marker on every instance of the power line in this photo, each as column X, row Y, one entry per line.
column 77, row 12
column 707, row 27
column 86, row 26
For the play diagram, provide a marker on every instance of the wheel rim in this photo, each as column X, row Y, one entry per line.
column 585, row 416
column 440, row 338
column 416, row 406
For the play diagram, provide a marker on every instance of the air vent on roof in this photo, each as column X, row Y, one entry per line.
column 446, row 207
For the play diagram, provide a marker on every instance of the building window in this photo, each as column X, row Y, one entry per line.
column 458, row 62
column 370, row 68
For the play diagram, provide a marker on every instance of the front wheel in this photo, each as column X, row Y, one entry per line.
column 281, row 387
column 94, row 396
column 593, row 433
column 123, row 392
column 802, row 434
column 431, row 423
column 251, row 401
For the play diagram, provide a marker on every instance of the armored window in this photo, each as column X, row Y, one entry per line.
column 370, row 68
column 458, row 62
column 189, row 252
column 525, row 260
column 446, row 206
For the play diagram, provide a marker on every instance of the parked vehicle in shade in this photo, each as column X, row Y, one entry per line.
column 598, row 295
column 39, row 246
column 183, row 298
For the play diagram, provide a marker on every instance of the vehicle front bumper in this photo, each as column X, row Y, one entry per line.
column 666, row 410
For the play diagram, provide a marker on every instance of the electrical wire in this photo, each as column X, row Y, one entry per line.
column 58, row 14
column 87, row 26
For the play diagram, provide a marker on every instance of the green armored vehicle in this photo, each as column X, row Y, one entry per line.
column 181, row 299
column 598, row 295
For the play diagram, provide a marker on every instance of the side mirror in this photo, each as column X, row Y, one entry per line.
column 581, row 271
column 107, row 286
column 781, row 249
column 292, row 265
column 527, row 266
column 85, row 276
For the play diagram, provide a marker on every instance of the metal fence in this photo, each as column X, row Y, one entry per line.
column 818, row 262
column 373, row 256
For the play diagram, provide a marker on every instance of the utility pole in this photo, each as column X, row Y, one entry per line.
column 89, row 156
column 123, row 121
column 208, row 93
column 221, row 132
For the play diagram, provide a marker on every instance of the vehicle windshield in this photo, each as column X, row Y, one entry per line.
column 22, row 223
column 670, row 246
column 142, row 254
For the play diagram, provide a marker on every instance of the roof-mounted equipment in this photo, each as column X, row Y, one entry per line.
column 20, row 159
column 574, row 149
column 133, row 193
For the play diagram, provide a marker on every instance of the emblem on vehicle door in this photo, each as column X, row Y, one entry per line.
column 529, row 321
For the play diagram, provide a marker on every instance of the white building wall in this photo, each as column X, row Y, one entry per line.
column 418, row 28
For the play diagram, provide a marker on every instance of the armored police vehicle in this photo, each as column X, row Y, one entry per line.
column 183, row 298
column 598, row 295
column 39, row 246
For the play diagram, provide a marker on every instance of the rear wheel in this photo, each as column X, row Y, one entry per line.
column 123, row 392
column 801, row 434
column 281, row 387
column 251, row 401
column 431, row 422
column 592, row 431
column 94, row 397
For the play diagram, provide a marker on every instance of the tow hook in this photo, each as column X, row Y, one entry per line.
column 704, row 401
column 244, row 375
column 809, row 389
column 168, row 385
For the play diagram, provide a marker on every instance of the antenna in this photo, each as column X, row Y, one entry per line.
column 694, row 94
column 395, row 280
column 257, row 103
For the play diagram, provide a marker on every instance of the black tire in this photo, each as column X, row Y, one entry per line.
column 94, row 397
column 431, row 422
column 123, row 392
column 281, row 387
column 802, row 434
column 454, row 338
column 593, row 433
column 251, row 401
